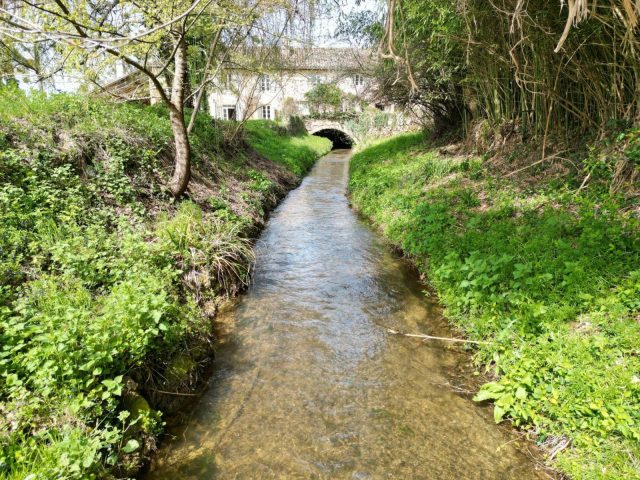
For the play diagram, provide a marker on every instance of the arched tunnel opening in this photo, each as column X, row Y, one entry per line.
column 337, row 137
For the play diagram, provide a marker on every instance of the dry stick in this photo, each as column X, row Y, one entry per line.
column 584, row 183
column 555, row 155
column 431, row 337
column 176, row 393
column 558, row 448
column 546, row 128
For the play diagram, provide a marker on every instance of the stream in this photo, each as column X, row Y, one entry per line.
column 307, row 382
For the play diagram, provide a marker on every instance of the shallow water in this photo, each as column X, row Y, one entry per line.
column 308, row 383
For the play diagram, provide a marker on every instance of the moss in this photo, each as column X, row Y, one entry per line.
column 179, row 368
column 136, row 404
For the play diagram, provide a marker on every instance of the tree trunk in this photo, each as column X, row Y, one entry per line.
column 182, row 162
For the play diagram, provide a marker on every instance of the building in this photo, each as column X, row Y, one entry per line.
column 272, row 84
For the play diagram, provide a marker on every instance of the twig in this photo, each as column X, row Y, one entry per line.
column 176, row 393
column 555, row 155
column 584, row 183
column 558, row 448
column 431, row 337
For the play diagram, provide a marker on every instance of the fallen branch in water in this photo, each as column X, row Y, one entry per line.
column 431, row 337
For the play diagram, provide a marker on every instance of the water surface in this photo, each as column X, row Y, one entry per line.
column 308, row 383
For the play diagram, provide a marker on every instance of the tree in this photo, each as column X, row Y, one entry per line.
column 159, row 38
column 422, row 62
column 324, row 98
column 140, row 34
column 531, row 66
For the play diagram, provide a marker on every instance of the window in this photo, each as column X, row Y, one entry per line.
column 229, row 80
column 358, row 80
column 266, row 112
column 229, row 112
column 315, row 80
column 265, row 83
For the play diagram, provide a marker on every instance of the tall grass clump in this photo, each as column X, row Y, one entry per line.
column 211, row 251
column 584, row 83
column 537, row 69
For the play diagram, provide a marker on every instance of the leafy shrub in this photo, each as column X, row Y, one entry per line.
column 296, row 126
column 324, row 98
column 548, row 278
column 94, row 289
column 260, row 182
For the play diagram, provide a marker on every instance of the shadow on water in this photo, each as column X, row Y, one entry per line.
column 307, row 382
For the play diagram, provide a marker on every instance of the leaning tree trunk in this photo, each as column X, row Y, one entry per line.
column 182, row 163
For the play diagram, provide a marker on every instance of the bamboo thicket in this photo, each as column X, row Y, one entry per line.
column 521, row 67
column 542, row 65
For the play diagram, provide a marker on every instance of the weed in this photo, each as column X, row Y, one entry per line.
column 549, row 278
column 102, row 275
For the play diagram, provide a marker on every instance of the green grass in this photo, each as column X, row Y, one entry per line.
column 107, row 283
column 298, row 152
column 549, row 278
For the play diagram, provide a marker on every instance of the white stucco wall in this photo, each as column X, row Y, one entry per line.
column 243, row 91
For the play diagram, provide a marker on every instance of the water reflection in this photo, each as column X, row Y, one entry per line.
column 309, row 385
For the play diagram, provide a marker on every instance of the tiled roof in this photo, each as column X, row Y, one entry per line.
column 135, row 85
column 325, row 58
column 308, row 58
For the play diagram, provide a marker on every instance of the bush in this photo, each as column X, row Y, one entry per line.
column 324, row 98
column 296, row 126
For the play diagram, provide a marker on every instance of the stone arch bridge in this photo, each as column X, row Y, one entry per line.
column 336, row 131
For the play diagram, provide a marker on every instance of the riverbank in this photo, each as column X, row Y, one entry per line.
column 543, row 266
column 108, row 285
column 307, row 381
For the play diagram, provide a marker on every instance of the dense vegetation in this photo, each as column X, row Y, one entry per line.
column 543, row 268
column 544, row 68
column 107, row 284
column 533, row 243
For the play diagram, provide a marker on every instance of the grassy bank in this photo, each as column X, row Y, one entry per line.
column 546, row 272
column 107, row 285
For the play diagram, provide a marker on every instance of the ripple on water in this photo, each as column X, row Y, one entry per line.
column 309, row 385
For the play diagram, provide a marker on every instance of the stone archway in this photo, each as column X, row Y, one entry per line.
column 335, row 131
column 339, row 138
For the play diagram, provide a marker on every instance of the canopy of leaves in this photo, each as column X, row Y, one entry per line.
column 324, row 98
